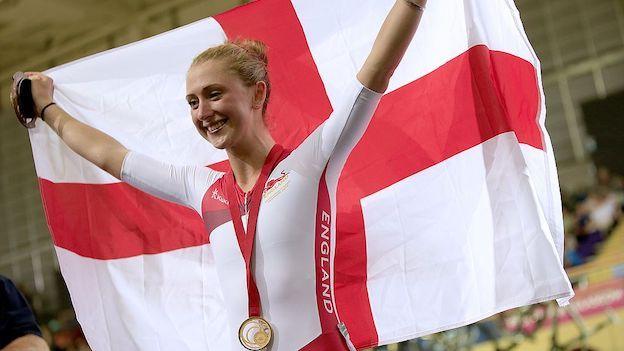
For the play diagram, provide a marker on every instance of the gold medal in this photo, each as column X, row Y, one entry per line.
column 255, row 333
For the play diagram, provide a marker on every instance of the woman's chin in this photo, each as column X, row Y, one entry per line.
column 218, row 142
column 217, row 145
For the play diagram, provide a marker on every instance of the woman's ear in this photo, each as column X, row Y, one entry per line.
column 259, row 95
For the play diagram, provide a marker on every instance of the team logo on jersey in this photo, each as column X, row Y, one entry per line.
column 275, row 186
column 216, row 196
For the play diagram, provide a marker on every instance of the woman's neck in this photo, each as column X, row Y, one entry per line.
column 247, row 160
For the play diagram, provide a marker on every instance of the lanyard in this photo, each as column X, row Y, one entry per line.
column 246, row 241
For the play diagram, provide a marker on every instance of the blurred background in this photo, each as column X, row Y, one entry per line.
column 581, row 47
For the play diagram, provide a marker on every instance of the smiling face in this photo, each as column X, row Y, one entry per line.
column 224, row 110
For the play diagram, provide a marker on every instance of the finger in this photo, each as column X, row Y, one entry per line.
column 38, row 76
column 34, row 75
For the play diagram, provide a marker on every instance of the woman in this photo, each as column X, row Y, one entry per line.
column 286, row 198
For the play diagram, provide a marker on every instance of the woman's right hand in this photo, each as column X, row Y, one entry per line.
column 42, row 88
column 97, row 147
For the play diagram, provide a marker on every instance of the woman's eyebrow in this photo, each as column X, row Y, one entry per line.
column 212, row 86
column 207, row 87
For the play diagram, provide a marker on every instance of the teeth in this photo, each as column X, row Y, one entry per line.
column 215, row 126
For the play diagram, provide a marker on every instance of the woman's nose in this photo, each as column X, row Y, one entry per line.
column 205, row 110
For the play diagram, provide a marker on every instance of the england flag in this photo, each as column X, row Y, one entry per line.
column 447, row 210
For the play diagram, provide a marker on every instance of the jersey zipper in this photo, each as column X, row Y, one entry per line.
column 246, row 209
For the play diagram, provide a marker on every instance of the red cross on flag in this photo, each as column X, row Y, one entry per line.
column 447, row 210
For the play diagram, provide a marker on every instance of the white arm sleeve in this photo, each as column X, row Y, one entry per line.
column 347, row 123
column 185, row 185
column 336, row 137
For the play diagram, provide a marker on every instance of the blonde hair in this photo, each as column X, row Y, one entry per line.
column 247, row 58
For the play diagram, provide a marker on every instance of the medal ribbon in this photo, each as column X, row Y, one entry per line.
column 246, row 241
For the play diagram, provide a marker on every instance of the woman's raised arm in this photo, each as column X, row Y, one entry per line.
column 90, row 143
column 391, row 43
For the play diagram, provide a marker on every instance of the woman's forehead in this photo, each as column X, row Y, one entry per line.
column 209, row 73
column 207, row 70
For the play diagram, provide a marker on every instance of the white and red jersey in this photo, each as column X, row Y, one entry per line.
column 292, row 259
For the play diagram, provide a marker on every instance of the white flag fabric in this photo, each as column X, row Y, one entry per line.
column 447, row 210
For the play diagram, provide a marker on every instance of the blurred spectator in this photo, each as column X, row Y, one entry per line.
column 602, row 209
column 18, row 329
column 590, row 216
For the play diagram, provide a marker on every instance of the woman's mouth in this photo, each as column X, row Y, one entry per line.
column 215, row 126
